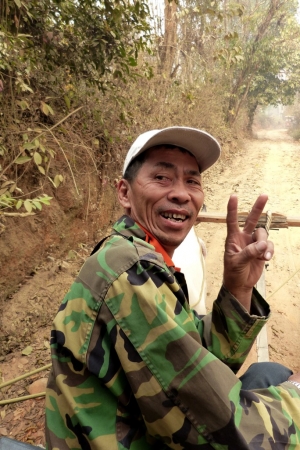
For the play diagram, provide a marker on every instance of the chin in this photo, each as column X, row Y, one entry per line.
column 172, row 244
column 171, row 241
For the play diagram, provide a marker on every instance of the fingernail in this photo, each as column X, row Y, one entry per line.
column 268, row 256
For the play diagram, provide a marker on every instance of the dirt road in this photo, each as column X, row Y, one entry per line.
column 269, row 164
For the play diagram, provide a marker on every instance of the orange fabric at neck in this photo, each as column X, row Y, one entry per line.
column 159, row 248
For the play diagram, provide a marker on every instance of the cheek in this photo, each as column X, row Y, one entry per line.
column 199, row 200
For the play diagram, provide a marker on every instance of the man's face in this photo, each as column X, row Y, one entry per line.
column 166, row 195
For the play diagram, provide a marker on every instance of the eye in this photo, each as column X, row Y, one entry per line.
column 195, row 182
column 161, row 177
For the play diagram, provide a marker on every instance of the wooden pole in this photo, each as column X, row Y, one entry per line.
column 262, row 338
column 278, row 220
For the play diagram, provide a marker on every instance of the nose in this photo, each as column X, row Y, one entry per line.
column 178, row 192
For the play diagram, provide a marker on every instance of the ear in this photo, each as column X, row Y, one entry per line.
column 123, row 189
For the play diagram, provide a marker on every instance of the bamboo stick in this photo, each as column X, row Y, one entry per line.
column 21, row 399
column 26, row 375
column 278, row 220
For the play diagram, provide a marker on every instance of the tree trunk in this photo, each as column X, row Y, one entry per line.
column 251, row 114
column 169, row 45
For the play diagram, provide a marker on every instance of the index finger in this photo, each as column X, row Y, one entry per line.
column 255, row 213
column 232, row 215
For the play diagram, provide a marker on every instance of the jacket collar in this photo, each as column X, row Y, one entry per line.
column 128, row 227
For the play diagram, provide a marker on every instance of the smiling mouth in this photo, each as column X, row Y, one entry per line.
column 174, row 217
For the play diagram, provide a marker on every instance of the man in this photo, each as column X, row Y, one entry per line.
column 133, row 366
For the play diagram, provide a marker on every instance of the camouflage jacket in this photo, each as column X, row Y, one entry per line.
column 135, row 368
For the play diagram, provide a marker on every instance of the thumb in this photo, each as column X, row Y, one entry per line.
column 253, row 251
column 260, row 248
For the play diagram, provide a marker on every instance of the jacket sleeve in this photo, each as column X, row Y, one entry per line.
column 229, row 331
column 187, row 396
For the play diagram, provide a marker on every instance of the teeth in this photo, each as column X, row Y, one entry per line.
column 179, row 216
column 174, row 216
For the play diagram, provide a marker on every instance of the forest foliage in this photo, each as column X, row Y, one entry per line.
column 79, row 79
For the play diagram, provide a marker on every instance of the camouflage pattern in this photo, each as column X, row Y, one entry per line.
column 135, row 368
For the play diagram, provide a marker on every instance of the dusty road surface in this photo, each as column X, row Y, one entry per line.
column 269, row 164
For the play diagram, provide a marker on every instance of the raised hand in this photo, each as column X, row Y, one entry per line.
column 245, row 250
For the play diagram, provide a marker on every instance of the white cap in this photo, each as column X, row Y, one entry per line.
column 202, row 145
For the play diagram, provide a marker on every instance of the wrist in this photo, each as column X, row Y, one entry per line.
column 243, row 296
column 295, row 383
